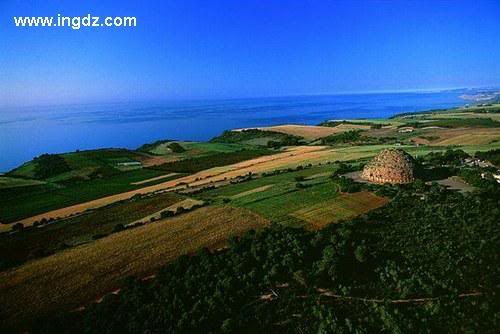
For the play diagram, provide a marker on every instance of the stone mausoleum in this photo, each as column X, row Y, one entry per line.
column 390, row 166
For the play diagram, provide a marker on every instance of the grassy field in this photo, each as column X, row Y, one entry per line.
column 279, row 199
column 84, row 163
column 13, row 182
column 191, row 149
column 240, row 189
column 79, row 275
column 17, row 204
column 37, row 242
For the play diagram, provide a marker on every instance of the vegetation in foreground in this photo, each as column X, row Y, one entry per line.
column 370, row 275
column 33, row 243
column 72, row 278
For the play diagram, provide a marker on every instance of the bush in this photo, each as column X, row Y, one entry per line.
column 48, row 165
column 167, row 213
column 118, row 228
column 342, row 138
column 17, row 227
column 176, row 147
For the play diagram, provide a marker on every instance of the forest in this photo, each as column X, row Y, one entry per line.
column 427, row 262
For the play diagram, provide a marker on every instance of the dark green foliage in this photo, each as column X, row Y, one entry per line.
column 492, row 156
column 449, row 157
column 194, row 165
column 478, row 178
column 17, row 227
column 342, row 138
column 346, row 184
column 167, row 213
column 149, row 147
column 456, row 123
column 332, row 124
column 48, row 165
column 285, row 140
column 408, row 267
column 278, row 139
column 176, row 147
column 118, row 228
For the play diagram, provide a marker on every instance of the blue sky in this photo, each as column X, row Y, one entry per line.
column 230, row 49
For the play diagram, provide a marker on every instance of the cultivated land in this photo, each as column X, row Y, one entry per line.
column 18, row 248
column 282, row 174
column 71, row 278
column 290, row 158
column 343, row 207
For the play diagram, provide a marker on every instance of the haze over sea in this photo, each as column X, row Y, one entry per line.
column 29, row 132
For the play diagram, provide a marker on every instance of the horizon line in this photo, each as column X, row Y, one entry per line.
column 221, row 98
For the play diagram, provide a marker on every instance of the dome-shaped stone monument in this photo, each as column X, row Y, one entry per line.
column 390, row 166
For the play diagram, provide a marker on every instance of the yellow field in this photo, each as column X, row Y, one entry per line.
column 68, row 279
column 460, row 136
column 340, row 208
column 310, row 132
column 469, row 137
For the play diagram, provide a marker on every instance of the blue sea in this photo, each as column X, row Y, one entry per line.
column 29, row 132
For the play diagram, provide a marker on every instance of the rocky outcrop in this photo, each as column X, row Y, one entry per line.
column 390, row 166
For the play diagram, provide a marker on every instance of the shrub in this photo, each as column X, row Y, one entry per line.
column 17, row 227
column 118, row 228
column 48, row 165
column 167, row 213
column 176, row 147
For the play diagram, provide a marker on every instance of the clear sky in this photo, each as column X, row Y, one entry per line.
column 224, row 49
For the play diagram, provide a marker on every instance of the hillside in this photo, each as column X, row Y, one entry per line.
column 332, row 252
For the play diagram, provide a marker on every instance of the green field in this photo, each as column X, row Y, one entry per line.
column 277, row 197
column 85, row 164
column 20, row 203
column 13, row 182
column 192, row 149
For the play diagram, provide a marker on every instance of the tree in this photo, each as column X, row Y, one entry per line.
column 17, row 227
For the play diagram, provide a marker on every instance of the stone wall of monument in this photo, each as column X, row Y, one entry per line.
column 390, row 166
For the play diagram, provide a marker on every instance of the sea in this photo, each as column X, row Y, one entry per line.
column 30, row 131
